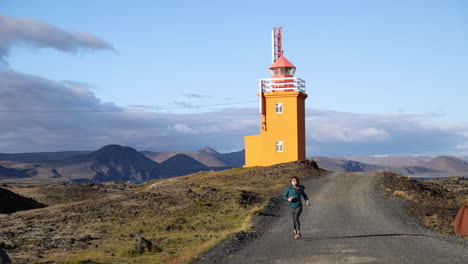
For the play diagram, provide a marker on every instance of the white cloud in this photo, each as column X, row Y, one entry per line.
column 37, row 114
column 371, row 132
column 462, row 146
column 197, row 96
column 340, row 133
column 75, row 119
column 183, row 128
column 39, row 34
column 337, row 131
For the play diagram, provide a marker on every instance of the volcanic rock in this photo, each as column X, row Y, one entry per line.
column 4, row 257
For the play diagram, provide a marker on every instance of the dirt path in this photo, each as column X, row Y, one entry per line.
column 348, row 222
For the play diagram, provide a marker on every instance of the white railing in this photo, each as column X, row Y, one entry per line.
column 268, row 86
column 272, row 85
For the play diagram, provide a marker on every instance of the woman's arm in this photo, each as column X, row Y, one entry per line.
column 286, row 194
column 305, row 196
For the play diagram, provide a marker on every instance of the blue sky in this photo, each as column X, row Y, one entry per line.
column 399, row 68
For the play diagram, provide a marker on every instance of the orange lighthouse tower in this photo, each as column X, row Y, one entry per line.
column 282, row 114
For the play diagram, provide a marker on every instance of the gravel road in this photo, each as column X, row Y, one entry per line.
column 349, row 222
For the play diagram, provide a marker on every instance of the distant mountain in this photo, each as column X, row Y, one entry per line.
column 113, row 154
column 110, row 163
column 114, row 163
column 408, row 165
column 181, row 164
column 234, row 159
column 209, row 151
column 13, row 173
column 208, row 156
column 209, row 160
column 40, row 156
column 350, row 165
column 119, row 163
column 344, row 165
column 411, row 170
column 447, row 164
column 397, row 160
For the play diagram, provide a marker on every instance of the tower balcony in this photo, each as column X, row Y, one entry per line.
column 287, row 84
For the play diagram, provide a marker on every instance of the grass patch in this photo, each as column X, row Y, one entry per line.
column 404, row 195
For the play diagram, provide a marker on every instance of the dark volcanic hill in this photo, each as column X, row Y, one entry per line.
column 113, row 154
column 13, row 173
column 180, row 164
column 447, row 164
column 11, row 202
column 113, row 163
column 234, row 159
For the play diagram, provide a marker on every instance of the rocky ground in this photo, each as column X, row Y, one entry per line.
column 435, row 202
column 453, row 184
column 11, row 202
column 174, row 220
column 69, row 223
column 162, row 221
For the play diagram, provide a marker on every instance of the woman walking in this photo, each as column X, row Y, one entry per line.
column 293, row 194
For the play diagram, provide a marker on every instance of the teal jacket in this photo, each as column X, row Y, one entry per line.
column 296, row 195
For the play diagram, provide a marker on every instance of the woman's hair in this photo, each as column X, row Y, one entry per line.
column 297, row 179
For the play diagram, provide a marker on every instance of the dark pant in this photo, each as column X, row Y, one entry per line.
column 296, row 212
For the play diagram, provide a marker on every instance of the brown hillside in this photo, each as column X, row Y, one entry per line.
column 447, row 164
column 395, row 161
column 334, row 164
column 330, row 163
column 431, row 202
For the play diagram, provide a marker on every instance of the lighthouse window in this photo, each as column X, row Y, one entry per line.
column 277, row 71
column 279, row 108
column 290, row 71
column 279, row 146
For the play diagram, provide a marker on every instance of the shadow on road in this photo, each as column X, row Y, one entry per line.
column 363, row 236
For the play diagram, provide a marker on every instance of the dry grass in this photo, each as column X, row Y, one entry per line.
column 185, row 216
column 432, row 203
column 404, row 195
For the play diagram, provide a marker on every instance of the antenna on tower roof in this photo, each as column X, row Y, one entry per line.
column 277, row 48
